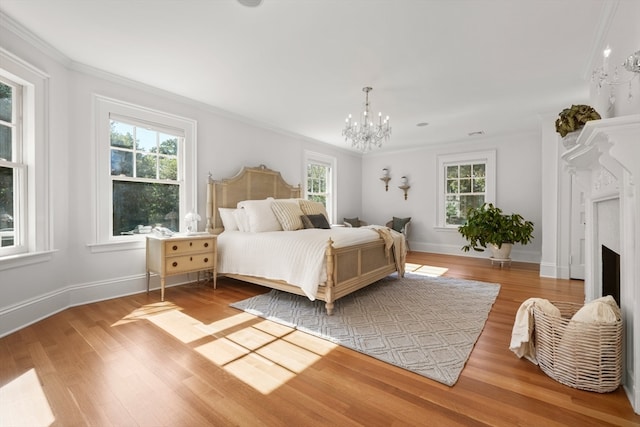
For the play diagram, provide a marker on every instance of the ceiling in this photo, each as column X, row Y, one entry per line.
column 299, row 66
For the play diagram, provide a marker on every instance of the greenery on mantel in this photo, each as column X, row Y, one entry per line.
column 574, row 118
column 488, row 225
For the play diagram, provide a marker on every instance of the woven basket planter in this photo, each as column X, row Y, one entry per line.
column 586, row 356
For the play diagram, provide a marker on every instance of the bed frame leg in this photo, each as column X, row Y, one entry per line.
column 329, row 306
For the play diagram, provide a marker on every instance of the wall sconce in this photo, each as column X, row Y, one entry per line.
column 405, row 186
column 386, row 178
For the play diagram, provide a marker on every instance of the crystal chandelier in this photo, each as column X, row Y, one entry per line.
column 603, row 76
column 367, row 135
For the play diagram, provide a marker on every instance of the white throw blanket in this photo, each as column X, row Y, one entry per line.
column 521, row 335
column 395, row 240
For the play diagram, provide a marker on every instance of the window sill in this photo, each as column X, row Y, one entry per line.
column 21, row 260
column 450, row 228
column 129, row 245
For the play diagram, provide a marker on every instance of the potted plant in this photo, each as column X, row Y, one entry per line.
column 573, row 119
column 488, row 226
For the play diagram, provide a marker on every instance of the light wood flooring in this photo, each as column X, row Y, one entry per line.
column 194, row 361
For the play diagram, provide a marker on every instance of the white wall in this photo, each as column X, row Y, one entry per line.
column 78, row 273
column 517, row 190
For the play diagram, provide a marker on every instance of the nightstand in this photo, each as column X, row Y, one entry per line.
column 168, row 256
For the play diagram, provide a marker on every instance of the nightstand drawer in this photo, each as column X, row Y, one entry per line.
column 183, row 264
column 188, row 246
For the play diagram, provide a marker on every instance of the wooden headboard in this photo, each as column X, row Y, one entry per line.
column 249, row 184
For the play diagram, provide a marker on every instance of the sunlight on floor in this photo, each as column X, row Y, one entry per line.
column 425, row 270
column 147, row 310
column 23, row 402
column 266, row 355
column 263, row 354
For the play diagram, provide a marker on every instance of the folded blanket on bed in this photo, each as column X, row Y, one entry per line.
column 393, row 240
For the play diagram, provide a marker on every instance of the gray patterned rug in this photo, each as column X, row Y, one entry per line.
column 427, row 325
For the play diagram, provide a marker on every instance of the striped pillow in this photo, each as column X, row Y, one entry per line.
column 288, row 213
column 310, row 207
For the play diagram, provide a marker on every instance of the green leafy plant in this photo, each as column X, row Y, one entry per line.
column 574, row 118
column 488, row 225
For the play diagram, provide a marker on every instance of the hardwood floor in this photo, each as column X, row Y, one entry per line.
column 134, row 361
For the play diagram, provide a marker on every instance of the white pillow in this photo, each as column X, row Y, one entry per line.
column 228, row 219
column 242, row 220
column 288, row 213
column 261, row 217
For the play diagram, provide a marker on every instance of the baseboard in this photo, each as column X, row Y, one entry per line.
column 516, row 254
column 25, row 313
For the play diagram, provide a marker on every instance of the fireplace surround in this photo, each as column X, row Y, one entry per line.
column 606, row 164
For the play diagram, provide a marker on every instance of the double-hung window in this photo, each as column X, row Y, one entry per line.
column 144, row 175
column 465, row 181
column 146, row 170
column 320, row 173
column 13, row 169
column 24, row 164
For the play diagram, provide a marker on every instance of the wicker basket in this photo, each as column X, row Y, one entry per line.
column 586, row 356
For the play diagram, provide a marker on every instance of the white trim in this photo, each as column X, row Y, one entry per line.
column 21, row 260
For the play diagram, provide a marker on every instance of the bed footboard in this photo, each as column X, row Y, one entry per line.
column 353, row 267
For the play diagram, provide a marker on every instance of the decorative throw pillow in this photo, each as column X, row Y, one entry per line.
column 399, row 223
column 309, row 207
column 288, row 213
column 352, row 222
column 315, row 221
column 261, row 217
column 228, row 219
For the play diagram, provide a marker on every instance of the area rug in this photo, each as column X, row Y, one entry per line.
column 427, row 325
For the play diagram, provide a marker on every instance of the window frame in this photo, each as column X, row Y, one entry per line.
column 109, row 108
column 487, row 157
column 311, row 157
column 35, row 228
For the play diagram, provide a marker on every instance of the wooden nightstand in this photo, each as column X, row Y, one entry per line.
column 168, row 256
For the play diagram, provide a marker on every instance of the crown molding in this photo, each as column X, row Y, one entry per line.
column 28, row 36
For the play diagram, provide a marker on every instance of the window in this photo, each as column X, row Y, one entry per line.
column 465, row 181
column 24, row 173
column 146, row 168
column 144, row 173
column 12, row 168
column 320, row 172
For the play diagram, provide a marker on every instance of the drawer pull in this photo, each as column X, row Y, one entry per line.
column 190, row 243
column 175, row 264
column 190, row 258
column 206, row 260
column 175, row 248
column 206, row 245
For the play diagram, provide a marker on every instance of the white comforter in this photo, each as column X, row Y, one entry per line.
column 297, row 257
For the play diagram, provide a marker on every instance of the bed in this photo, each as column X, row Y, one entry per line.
column 350, row 259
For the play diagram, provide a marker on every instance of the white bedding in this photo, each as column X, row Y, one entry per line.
column 297, row 257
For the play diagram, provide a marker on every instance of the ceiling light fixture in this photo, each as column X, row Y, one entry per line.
column 367, row 135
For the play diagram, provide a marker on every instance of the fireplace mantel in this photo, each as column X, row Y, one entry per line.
column 606, row 163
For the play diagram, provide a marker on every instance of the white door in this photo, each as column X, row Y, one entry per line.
column 577, row 250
